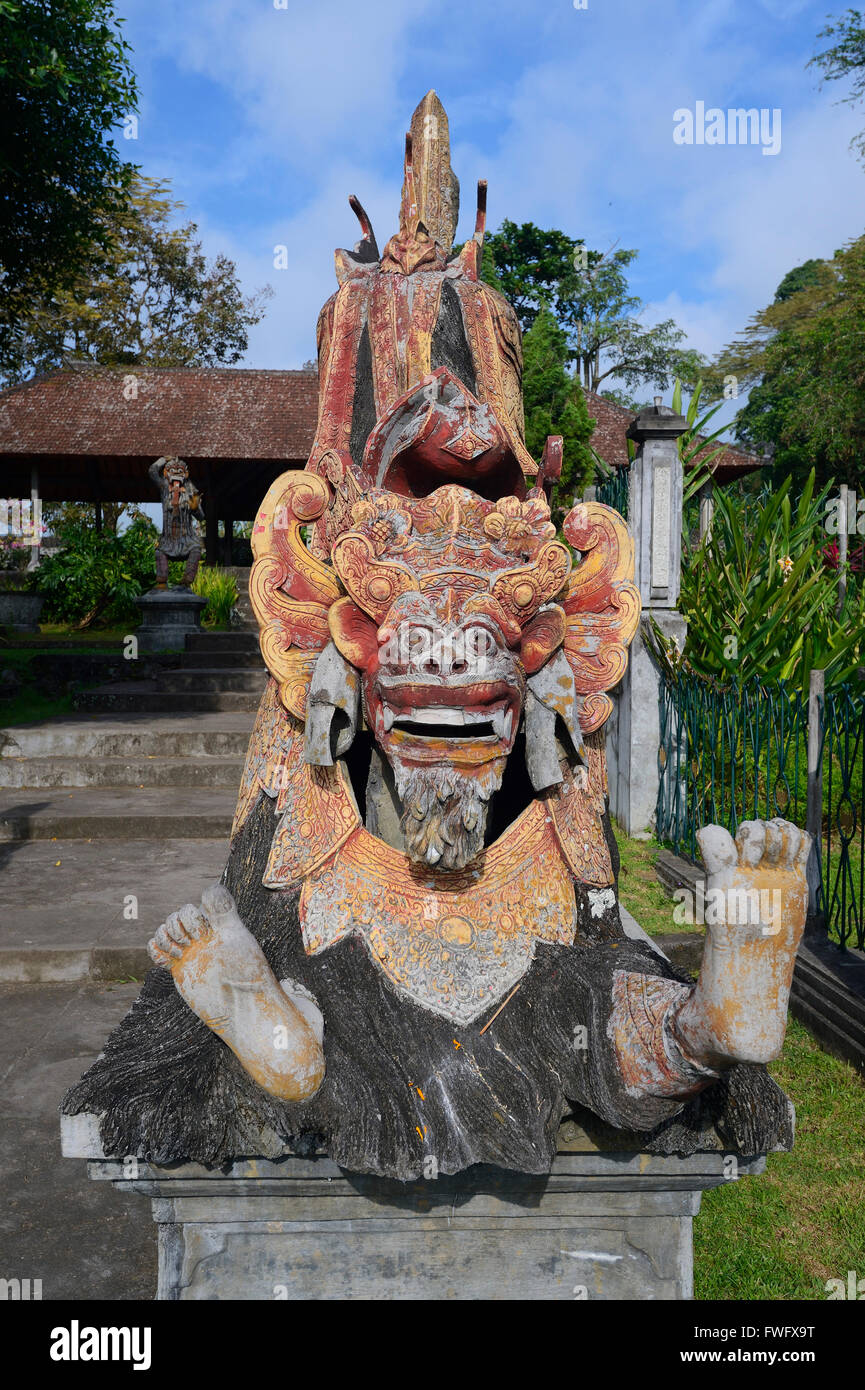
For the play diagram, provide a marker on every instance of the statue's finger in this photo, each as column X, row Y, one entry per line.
column 791, row 839
column 774, row 846
column 217, row 902
column 167, row 943
column 717, row 848
column 751, row 842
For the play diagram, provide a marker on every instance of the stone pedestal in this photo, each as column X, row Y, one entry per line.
column 602, row 1226
column 19, row 608
column 168, row 615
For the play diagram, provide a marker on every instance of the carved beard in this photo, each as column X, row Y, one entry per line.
column 444, row 812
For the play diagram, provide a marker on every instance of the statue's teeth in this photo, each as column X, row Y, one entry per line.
column 387, row 716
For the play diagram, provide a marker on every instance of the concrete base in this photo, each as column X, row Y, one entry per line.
column 602, row 1226
column 20, row 611
column 168, row 617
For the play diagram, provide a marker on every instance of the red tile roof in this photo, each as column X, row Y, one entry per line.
column 89, row 436
column 608, row 440
column 194, row 412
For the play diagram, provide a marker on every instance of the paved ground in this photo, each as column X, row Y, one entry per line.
column 90, row 906
column 83, row 1239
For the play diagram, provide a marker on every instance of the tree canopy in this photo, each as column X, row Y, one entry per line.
column 588, row 293
column 554, row 404
column 152, row 299
column 803, row 357
column 65, row 85
column 844, row 60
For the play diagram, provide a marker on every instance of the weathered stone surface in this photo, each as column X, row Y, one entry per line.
column 601, row 1226
column 168, row 617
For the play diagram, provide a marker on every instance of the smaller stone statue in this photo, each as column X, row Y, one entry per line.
column 181, row 534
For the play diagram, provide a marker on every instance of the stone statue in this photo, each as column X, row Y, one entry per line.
column 181, row 534
column 416, row 951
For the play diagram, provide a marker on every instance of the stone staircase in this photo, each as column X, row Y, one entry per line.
column 217, row 672
column 119, row 814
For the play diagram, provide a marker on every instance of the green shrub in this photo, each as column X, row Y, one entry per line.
column 220, row 590
column 97, row 575
column 760, row 596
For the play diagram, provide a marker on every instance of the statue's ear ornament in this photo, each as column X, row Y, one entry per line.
column 602, row 607
column 290, row 590
column 331, row 708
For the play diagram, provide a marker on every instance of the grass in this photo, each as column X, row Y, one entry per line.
column 640, row 889
column 28, row 707
column 782, row 1235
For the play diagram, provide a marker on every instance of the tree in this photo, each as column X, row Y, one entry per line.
column 554, row 404
column 65, row 83
column 804, row 357
column 588, row 294
column 531, row 267
column 846, row 59
column 152, row 300
column 803, row 292
column 607, row 338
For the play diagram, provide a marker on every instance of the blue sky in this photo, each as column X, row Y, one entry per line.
column 265, row 119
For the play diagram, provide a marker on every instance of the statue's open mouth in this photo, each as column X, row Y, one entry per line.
column 470, row 723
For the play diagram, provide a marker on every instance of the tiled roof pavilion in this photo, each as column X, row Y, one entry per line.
column 91, row 434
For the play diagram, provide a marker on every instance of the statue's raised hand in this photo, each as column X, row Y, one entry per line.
column 756, row 903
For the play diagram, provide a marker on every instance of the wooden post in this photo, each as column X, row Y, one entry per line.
column 814, row 805
column 211, row 517
column 229, row 537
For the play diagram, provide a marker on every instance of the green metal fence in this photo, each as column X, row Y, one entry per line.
column 740, row 752
column 613, row 491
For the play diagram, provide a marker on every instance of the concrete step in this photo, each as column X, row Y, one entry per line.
column 210, row 680
column 143, row 697
column 674, row 872
column 100, row 903
column 833, row 1034
column 837, row 999
column 203, row 771
column 119, row 813
column 237, row 640
column 220, row 735
column 246, row 659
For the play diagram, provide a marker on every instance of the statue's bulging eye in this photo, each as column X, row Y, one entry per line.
column 479, row 644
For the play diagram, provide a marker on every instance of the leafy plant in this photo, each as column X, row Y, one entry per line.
column 220, row 590
column 692, row 445
column 97, row 575
column 759, row 599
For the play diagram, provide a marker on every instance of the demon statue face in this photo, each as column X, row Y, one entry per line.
column 448, row 617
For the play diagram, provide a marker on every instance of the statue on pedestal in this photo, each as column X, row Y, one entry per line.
column 181, row 533
column 415, row 960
